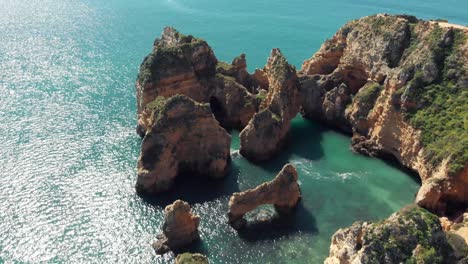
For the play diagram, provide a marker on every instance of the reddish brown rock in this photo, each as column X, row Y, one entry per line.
column 283, row 192
column 178, row 64
column 266, row 132
column 183, row 64
column 180, row 227
column 183, row 137
column 372, row 77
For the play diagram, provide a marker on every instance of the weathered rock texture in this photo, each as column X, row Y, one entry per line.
column 400, row 86
column 181, row 64
column 188, row 258
column 283, row 192
column 182, row 137
column 457, row 236
column 266, row 132
column 412, row 235
column 180, row 227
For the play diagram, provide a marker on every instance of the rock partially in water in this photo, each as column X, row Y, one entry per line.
column 180, row 227
column 396, row 83
column 283, row 192
column 189, row 258
column 266, row 132
column 183, row 64
column 412, row 235
column 182, row 137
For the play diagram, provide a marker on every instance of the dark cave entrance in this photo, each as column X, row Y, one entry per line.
column 218, row 110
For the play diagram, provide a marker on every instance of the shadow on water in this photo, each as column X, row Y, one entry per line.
column 304, row 140
column 195, row 247
column 300, row 220
column 391, row 161
column 196, row 189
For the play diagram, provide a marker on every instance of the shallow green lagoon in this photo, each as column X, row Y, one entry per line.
column 68, row 147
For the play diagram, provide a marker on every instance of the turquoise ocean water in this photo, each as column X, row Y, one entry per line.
column 68, row 149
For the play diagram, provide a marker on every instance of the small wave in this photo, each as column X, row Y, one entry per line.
column 235, row 154
column 346, row 175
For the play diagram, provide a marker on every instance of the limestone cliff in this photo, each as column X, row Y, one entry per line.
column 400, row 85
column 183, row 64
column 412, row 235
column 283, row 192
column 180, row 227
column 265, row 134
column 182, row 137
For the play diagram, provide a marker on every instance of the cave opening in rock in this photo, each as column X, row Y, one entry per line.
column 217, row 109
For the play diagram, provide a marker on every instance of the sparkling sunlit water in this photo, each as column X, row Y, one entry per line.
column 68, row 149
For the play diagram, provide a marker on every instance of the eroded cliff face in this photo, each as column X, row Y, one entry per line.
column 180, row 227
column 283, row 192
column 265, row 134
column 412, row 235
column 399, row 85
column 182, row 137
column 183, row 64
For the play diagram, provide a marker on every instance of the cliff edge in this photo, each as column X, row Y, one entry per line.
column 400, row 86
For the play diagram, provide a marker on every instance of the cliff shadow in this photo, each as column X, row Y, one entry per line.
column 392, row 161
column 197, row 188
column 304, row 141
column 300, row 220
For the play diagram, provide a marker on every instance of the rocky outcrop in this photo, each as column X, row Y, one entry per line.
column 266, row 132
column 283, row 192
column 182, row 137
column 398, row 85
column 180, row 227
column 181, row 64
column 412, row 235
column 188, row 258
column 178, row 64
column 457, row 236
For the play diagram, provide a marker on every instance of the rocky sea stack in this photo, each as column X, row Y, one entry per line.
column 265, row 134
column 181, row 64
column 180, row 227
column 182, row 137
column 283, row 192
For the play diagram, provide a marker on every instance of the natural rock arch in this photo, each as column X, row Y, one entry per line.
column 283, row 192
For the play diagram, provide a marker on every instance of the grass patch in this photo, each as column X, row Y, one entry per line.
column 369, row 92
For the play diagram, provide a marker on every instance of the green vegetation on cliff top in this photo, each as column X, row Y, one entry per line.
column 442, row 114
column 162, row 57
column 396, row 238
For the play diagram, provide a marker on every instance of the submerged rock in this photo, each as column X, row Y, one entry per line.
column 182, row 137
column 397, row 84
column 283, row 192
column 266, row 132
column 412, row 235
column 180, row 227
column 189, row 258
